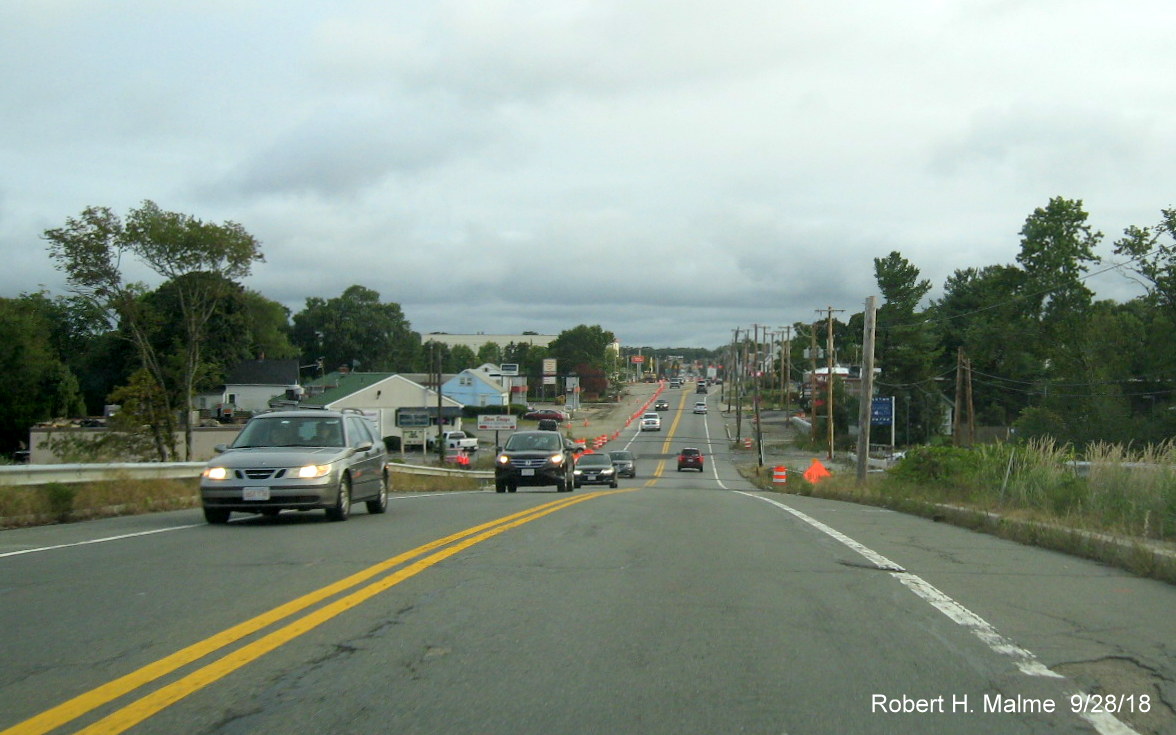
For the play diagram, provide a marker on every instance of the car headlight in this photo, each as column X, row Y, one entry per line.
column 503, row 459
column 216, row 473
column 312, row 471
column 607, row 471
column 577, row 471
column 556, row 459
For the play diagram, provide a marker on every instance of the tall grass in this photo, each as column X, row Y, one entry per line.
column 1121, row 490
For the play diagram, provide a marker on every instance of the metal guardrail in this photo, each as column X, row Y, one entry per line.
column 43, row 474
column 416, row 469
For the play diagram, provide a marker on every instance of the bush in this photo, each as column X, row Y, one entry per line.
column 938, row 465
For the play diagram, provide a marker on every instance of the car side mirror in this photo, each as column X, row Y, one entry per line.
column 364, row 446
column 220, row 448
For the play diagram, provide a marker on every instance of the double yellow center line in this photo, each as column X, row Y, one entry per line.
column 406, row 565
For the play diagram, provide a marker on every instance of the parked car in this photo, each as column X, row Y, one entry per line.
column 700, row 407
column 533, row 458
column 690, row 458
column 661, row 405
column 594, row 469
column 651, row 422
column 299, row 459
column 546, row 413
column 625, row 463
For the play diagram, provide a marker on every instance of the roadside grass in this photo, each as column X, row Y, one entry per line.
column 58, row 502
column 1121, row 511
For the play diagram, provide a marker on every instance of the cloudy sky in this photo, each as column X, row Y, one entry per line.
column 668, row 169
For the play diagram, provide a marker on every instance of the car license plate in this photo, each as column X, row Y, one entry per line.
column 255, row 493
column 527, row 473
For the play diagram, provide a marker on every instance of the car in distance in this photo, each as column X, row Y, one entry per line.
column 651, row 422
column 546, row 413
column 594, row 469
column 661, row 405
column 298, row 459
column 700, row 407
column 533, row 458
column 625, row 462
column 690, row 458
column 701, row 387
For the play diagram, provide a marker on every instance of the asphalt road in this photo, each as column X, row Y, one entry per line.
column 679, row 603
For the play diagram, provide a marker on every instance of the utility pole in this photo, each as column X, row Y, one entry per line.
column 759, row 435
column 829, row 375
column 738, row 387
column 867, row 393
column 786, row 372
column 964, row 433
column 813, row 380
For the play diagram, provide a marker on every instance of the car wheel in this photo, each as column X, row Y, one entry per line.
column 613, row 483
column 380, row 504
column 342, row 508
column 512, row 488
column 499, row 486
column 217, row 515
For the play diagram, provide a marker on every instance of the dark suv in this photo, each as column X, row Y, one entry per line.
column 534, row 458
column 690, row 459
column 299, row 459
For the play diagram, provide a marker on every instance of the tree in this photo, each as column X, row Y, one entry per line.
column 583, row 345
column 90, row 248
column 981, row 312
column 1153, row 257
column 490, row 352
column 357, row 330
column 41, row 386
column 906, row 348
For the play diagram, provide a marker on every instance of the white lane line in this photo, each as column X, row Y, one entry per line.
column 98, row 540
column 957, row 613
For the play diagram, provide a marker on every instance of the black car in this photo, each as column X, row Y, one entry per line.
column 594, row 469
column 533, row 458
column 661, row 405
column 625, row 463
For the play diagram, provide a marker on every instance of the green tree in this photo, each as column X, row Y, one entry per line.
column 90, row 248
column 490, row 352
column 583, row 345
column 41, row 385
column 981, row 312
column 358, row 330
column 1153, row 257
column 906, row 350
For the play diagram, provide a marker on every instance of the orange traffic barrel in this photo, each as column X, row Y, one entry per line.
column 780, row 475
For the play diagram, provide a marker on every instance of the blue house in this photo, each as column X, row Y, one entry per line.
column 476, row 387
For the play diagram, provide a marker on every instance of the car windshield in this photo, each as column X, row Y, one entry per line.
column 292, row 431
column 621, row 456
column 592, row 460
column 549, row 442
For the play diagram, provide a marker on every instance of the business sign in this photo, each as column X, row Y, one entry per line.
column 498, row 422
column 510, row 368
column 412, row 417
column 549, row 366
column 637, row 359
column 882, row 411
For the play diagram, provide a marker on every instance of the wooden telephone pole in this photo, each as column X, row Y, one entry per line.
column 867, row 393
column 829, row 375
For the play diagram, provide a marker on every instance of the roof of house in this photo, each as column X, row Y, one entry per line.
column 338, row 386
column 263, row 372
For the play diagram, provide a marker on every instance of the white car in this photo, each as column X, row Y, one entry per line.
column 700, row 407
column 651, row 422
